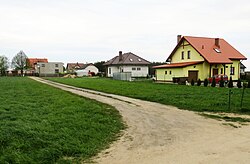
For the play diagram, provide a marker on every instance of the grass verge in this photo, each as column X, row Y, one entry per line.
column 42, row 124
column 196, row 98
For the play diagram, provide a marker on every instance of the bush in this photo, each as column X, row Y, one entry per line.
column 213, row 82
column 239, row 83
column 230, row 84
column 192, row 82
column 205, row 83
column 222, row 81
column 199, row 82
column 248, row 84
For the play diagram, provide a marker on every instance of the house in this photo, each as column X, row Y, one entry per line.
column 242, row 68
column 199, row 58
column 127, row 62
column 80, row 67
column 31, row 62
column 49, row 69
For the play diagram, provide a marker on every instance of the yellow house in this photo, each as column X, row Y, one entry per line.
column 200, row 58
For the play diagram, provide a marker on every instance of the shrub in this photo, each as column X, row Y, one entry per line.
column 192, row 82
column 248, row 84
column 230, row 84
column 239, row 83
column 213, row 82
column 205, row 83
column 199, row 82
column 222, row 81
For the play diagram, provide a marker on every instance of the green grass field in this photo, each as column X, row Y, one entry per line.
column 42, row 124
column 196, row 98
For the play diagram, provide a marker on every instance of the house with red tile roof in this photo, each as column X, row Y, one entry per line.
column 200, row 58
column 31, row 62
column 127, row 62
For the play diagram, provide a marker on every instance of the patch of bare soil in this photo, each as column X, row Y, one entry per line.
column 158, row 133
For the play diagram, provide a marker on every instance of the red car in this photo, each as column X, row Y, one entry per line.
column 217, row 78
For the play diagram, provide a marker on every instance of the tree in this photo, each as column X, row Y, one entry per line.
column 199, row 82
column 239, row 83
column 230, row 84
column 19, row 61
column 222, row 81
column 213, row 82
column 100, row 66
column 205, row 82
column 3, row 65
column 192, row 82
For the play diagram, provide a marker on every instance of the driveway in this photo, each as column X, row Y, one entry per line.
column 159, row 133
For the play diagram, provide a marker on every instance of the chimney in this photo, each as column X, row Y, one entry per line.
column 217, row 42
column 178, row 38
column 120, row 55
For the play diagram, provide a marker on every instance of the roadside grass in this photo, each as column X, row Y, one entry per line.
column 196, row 98
column 42, row 124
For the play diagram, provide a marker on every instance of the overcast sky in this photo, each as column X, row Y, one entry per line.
column 95, row 30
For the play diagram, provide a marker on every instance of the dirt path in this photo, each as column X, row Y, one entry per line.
column 164, row 134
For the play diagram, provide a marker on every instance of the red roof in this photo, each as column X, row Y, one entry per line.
column 207, row 48
column 175, row 65
column 33, row 61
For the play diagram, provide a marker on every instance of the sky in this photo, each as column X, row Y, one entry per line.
column 96, row 30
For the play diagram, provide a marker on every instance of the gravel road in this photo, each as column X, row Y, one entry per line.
column 158, row 133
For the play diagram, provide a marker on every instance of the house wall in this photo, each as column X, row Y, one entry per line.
column 194, row 55
column 140, row 71
column 49, row 68
column 92, row 68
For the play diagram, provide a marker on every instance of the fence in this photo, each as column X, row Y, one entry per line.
column 126, row 76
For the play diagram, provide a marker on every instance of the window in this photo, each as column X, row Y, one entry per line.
column 43, row 65
column 170, row 72
column 56, row 70
column 188, row 55
column 138, row 69
column 133, row 69
column 221, row 71
column 56, row 65
column 139, row 60
column 131, row 59
column 166, row 72
column 182, row 55
column 109, row 70
column 231, row 70
column 217, row 50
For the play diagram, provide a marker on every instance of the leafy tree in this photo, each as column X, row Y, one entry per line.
column 213, row 82
column 222, row 82
column 205, row 82
column 3, row 65
column 199, row 82
column 100, row 66
column 248, row 84
column 19, row 61
column 230, row 84
column 192, row 82
column 239, row 83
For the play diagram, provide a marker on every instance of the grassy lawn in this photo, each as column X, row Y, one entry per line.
column 42, row 124
column 185, row 97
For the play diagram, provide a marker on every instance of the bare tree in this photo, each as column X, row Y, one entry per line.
column 19, row 61
column 4, row 65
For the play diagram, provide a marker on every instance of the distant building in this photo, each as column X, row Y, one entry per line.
column 81, row 67
column 31, row 62
column 127, row 62
column 49, row 69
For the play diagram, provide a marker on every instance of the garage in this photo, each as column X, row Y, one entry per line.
column 192, row 75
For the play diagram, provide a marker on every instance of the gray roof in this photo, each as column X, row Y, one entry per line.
column 127, row 59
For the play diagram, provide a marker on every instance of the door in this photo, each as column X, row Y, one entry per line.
column 192, row 75
column 215, row 71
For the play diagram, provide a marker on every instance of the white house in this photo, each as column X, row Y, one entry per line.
column 81, row 68
column 127, row 62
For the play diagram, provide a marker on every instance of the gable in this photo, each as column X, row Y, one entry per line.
column 185, row 47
